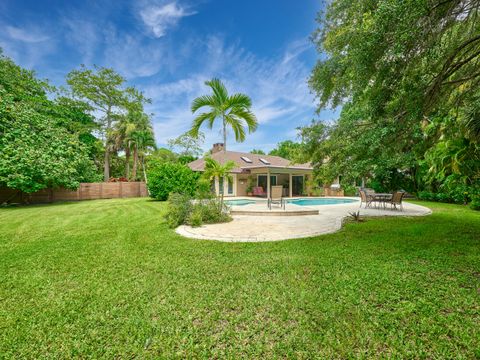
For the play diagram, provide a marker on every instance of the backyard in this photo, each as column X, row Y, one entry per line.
column 107, row 278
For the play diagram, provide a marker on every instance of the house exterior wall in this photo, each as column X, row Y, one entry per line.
column 242, row 184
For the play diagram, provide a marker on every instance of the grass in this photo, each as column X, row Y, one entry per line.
column 107, row 278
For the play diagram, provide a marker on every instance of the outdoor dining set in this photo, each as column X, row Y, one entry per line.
column 370, row 199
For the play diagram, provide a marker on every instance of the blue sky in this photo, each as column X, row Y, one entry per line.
column 168, row 48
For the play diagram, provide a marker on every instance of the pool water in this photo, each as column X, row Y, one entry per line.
column 239, row 202
column 301, row 202
column 320, row 201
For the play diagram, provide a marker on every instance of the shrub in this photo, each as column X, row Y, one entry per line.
column 475, row 204
column 204, row 190
column 195, row 217
column 179, row 208
column 168, row 178
column 426, row 195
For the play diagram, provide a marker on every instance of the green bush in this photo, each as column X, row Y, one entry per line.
column 204, row 189
column 182, row 210
column 208, row 212
column 475, row 204
column 195, row 218
column 168, row 178
column 179, row 208
column 427, row 195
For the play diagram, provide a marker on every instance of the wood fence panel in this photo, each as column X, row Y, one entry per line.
column 86, row 191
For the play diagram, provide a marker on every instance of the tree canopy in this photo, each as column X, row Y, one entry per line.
column 43, row 143
column 234, row 111
column 406, row 74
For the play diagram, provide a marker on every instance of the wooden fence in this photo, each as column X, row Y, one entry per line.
column 86, row 191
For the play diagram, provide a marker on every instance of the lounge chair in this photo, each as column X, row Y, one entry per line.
column 396, row 200
column 258, row 191
column 276, row 197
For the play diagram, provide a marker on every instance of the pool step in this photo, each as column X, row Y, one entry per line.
column 274, row 212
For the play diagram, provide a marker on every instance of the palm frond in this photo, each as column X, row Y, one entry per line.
column 237, row 127
column 201, row 101
column 246, row 115
column 198, row 122
column 219, row 90
column 238, row 100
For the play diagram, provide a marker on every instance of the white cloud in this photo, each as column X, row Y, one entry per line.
column 28, row 36
column 159, row 18
column 278, row 88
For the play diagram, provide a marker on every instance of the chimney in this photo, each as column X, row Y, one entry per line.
column 217, row 148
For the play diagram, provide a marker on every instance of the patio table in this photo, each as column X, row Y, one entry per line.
column 381, row 198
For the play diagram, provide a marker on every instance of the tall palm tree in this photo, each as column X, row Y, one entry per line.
column 233, row 110
column 215, row 170
column 123, row 140
column 144, row 141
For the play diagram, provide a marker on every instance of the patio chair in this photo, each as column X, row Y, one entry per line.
column 397, row 199
column 258, row 191
column 276, row 197
column 365, row 198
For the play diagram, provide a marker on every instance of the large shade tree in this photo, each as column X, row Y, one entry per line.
column 40, row 139
column 234, row 111
column 407, row 73
column 105, row 91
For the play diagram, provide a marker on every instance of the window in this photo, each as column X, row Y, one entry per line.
column 220, row 186
column 266, row 162
column 246, row 159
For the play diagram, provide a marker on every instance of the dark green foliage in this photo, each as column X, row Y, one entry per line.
column 475, row 204
column 258, row 152
column 179, row 207
column 168, row 178
column 288, row 150
column 43, row 143
column 407, row 75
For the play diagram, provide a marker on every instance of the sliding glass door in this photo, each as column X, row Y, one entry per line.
column 262, row 181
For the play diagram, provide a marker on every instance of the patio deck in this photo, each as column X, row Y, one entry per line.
column 255, row 228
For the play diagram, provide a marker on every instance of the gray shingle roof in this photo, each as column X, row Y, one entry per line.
column 242, row 165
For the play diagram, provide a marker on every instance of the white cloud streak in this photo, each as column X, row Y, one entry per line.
column 159, row 18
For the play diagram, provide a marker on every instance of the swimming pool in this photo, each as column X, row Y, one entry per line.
column 320, row 201
column 301, row 202
column 239, row 202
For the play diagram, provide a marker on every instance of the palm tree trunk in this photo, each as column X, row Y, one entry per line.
column 145, row 175
column 221, row 198
column 135, row 162
column 127, row 162
column 224, row 135
column 106, row 159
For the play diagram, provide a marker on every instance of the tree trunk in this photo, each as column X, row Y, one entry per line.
column 135, row 163
column 106, row 165
column 127, row 162
column 145, row 174
column 106, row 160
column 224, row 135
column 221, row 198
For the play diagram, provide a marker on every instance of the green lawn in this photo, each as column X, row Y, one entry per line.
column 107, row 278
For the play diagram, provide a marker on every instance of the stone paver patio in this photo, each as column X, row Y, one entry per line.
column 248, row 228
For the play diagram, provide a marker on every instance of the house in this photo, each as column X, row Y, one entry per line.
column 260, row 170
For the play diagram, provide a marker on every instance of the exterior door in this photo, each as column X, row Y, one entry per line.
column 262, row 181
column 297, row 185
